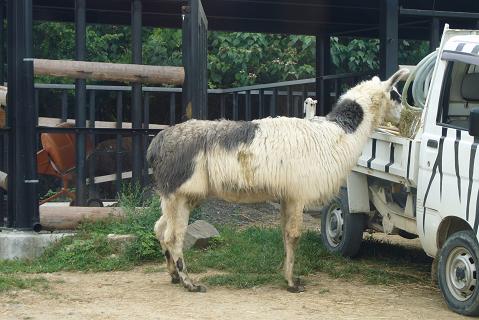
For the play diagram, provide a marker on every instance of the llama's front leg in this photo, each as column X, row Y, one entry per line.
column 174, row 236
column 160, row 228
column 291, row 220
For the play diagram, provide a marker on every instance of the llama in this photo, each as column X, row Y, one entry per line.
column 295, row 161
column 309, row 108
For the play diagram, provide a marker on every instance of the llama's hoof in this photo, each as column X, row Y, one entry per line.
column 298, row 286
column 296, row 289
column 198, row 288
column 175, row 278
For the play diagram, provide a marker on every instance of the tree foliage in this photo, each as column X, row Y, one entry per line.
column 234, row 59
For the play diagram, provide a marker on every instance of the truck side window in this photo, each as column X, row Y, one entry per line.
column 460, row 94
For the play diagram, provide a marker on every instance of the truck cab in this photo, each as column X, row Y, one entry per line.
column 426, row 185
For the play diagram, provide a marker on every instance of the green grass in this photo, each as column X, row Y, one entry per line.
column 254, row 256
column 11, row 282
column 89, row 249
column 244, row 258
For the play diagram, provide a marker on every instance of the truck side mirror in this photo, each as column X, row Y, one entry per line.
column 474, row 122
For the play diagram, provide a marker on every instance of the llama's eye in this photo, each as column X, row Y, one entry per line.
column 395, row 96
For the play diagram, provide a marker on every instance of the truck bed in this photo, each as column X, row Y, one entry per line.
column 390, row 157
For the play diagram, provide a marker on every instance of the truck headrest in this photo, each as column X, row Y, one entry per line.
column 470, row 87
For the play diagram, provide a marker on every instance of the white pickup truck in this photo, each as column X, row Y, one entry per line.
column 426, row 186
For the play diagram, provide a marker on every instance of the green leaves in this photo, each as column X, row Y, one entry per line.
column 234, row 59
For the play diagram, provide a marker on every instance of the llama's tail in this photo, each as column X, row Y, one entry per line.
column 154, row 149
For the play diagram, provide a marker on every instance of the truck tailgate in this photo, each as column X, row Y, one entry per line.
column 390, row 157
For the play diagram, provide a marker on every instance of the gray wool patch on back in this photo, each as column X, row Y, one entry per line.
column 173, row 151
column 230, row 134
column 347, row 114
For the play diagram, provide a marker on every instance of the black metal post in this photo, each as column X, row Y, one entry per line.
column 172, row 109
column 80, row 99
column 261, row 103
column 146, row 125
column 388, row 33
column 323, row 63
column 289, row 103
column 12, row 75
column 22, row 147
column 64, row 106
column 3, row 137
column 223, row 106
column 92, row 192
column 195, row 55
column 434, row 35
column 248, row 106
column 273, row 102
column 119, row 138
column 2, row 42
column 136, row 110
column 235, row 106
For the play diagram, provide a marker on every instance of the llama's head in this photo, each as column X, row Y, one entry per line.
column 390, row 105
column 309, row 108
column 373, row 100
column 381, row 98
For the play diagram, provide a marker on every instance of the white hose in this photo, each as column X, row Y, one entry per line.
column 422, row 79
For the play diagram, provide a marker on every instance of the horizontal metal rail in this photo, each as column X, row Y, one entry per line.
column 439, row 14
column 253, row 88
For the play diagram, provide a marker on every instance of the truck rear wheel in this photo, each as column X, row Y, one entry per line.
column 457, row 273
column 341, row 231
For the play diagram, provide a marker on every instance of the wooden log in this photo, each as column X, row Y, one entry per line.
column 68, row 218
column 109, row 71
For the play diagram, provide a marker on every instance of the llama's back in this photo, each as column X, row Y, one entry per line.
column 288, row 158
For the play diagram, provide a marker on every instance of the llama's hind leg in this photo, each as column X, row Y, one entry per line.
column 177, row 213
column 291, row 222
column 160, row 228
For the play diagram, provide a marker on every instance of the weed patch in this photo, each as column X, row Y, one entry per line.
column 14, row 282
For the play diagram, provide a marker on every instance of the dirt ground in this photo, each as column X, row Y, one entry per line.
column 143, row 294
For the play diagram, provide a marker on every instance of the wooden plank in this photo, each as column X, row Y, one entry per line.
column 52, row 122
column 3, row 180
column 3, row 95
column 109, row 71
column 112, row 177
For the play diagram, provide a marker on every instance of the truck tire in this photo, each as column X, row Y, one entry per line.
column 341, row 231
column 457, row 273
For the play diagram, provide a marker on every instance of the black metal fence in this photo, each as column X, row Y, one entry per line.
column 111, row 126
column 28, row 120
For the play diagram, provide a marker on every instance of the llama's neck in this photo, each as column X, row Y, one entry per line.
column 310, row 111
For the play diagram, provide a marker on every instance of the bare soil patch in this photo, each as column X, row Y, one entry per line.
column 140, row 294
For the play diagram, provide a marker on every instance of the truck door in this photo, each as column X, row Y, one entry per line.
column 448, row 177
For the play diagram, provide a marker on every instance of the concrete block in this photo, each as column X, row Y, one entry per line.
column 198, row 234
column 26, row 244
column 121, row 241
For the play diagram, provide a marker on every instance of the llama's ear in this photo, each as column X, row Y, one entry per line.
column 401, row 74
